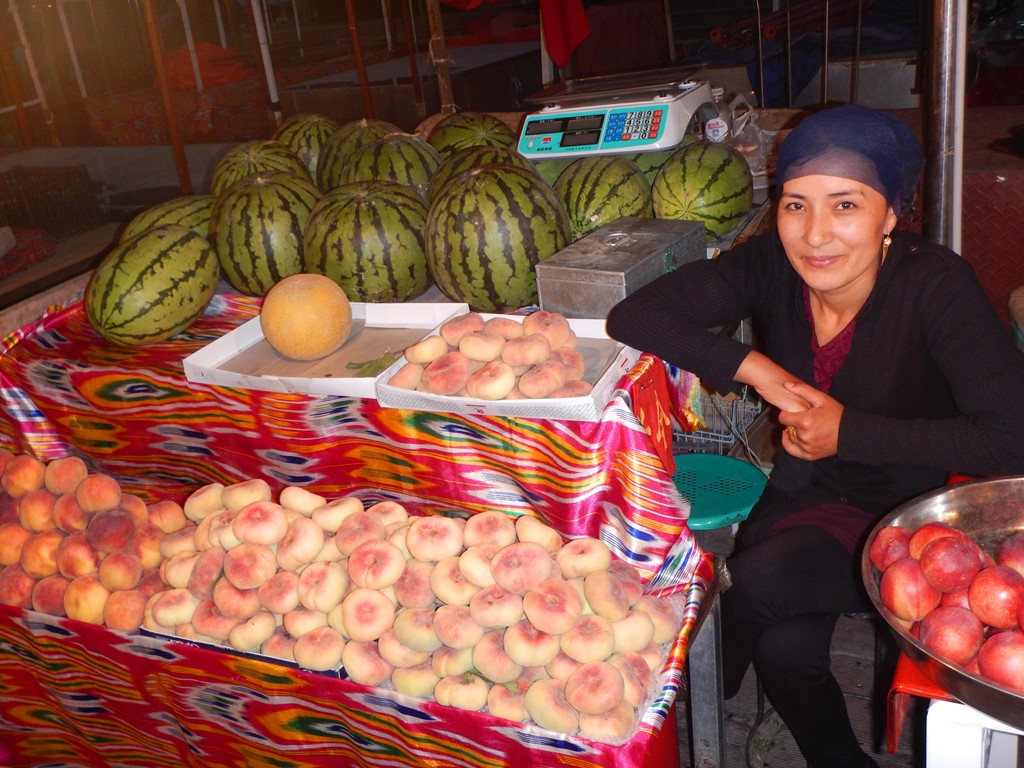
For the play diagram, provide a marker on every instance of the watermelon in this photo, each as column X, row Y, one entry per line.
column 399, row 157
column 650, row 162
column 367, row 236
column 598, row 189
column 470, row 157
column 340, row 145
column 256, row 229
column 705, row 182
column 304, row 134
column 551, row 168
column 487, row 230
column 254, row 157
column 470, row 129
column 192, row 211
column 152, row 286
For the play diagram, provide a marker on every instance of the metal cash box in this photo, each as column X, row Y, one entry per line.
column 589, row 277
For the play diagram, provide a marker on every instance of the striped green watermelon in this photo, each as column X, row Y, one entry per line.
column 152, row 286
column 260, row 156
column 598, row 189
column 192, row 211
column 304, row 134
column 705, row 182
column 470, row 129
column 551, row 168
column 470, row 157
column 256, row 229
column 487, row 230
column 400, row 157
column 650, row 162
column 367, row 236
column 340, row 145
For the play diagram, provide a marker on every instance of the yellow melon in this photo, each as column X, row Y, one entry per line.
column 306, row 317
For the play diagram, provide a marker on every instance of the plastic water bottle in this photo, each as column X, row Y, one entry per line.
column 718, row 128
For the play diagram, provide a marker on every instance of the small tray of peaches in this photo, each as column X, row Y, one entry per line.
column 541, row 365
column 946, row 571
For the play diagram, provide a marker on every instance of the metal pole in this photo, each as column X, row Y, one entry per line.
column 940, row 138
column 34, row 74
column 190, row 43
column 268, row 68
column 173, row 126
column 71, row 48
column 357, row 51
column 10, row 75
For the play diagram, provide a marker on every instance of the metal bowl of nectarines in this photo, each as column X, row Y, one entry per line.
column 946, row 571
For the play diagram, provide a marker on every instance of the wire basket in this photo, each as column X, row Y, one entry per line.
column 725, row 422
column 59, row 200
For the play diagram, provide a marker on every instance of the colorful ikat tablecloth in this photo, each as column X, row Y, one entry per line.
column 82, row 695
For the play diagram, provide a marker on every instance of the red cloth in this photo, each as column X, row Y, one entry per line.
column 217, row 66
column 30, row 247
column 565, row 27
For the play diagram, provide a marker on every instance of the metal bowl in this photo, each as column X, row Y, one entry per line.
column 988, row 511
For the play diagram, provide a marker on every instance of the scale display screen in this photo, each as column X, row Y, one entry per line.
column 562, row 125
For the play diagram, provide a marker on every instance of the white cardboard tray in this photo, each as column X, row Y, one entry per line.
column 606, row 362
column 243, row 358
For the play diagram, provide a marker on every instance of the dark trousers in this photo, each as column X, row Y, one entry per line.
column 787, row 593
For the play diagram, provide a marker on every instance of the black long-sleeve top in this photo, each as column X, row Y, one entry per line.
column 932, row 382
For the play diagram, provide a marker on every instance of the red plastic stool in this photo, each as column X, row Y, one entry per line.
column 907, row 681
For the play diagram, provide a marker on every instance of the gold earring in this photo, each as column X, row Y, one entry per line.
column 886, row 242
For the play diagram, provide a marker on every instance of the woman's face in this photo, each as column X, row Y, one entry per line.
column 832, row 230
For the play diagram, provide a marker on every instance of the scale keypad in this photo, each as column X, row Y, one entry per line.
column 631, row 125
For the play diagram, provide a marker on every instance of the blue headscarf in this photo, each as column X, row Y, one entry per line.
column 858, row 143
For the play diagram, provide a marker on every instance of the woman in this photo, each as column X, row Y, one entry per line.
column 889, row 368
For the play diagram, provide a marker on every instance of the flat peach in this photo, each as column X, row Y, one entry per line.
column 179, row 541
column 449, row 585
column 447, row 375
column 64, row 474
column 591, row 639
column 526, row 350
column 235, row 603
column 204, row 501
column 637, row 677
column 302, row 543
column 490, row 527
column 359, row 527
column 554, row 326
column 412, row 589
column 375, row 564
column 594, row 687
column 261, row 522
column 389, row 512
column 553, row 606
column 475, row 563
column 245, row 492
column 632, row 582
column 574, row 388
column 492, row 660
column 505, row 327
column 583, row 555
column 426, row 351
column 481, row 346
column 418, row 680
column 445, row 661
column 301, row 500
column 415, row 628
column 280, row 593
column 467, row 691
column 572, row 360
column 322, row 585
column 528, row 646
column 547, row 706
column 633, row 632
column 667, row 619
column 250, row 634
column 507, row 701
column 495, row 607
column 280, row 645
column 454, row 626
column 367, row 613
column 543, row 379
column 606, row 594
column 209, row 621
column 364, row 664
column 205, row 571
column 398, row 654
column 533, row 529
column 433, row 538
column 298, row 621
column 454, row 328
column 331, row 515
column 495, row 381
column 173, row 607
column 521, row 567
column 249, row 565
column 408, row 376
column 320, row 649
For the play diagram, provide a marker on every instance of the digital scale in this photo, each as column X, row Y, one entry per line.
column 635, row 112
